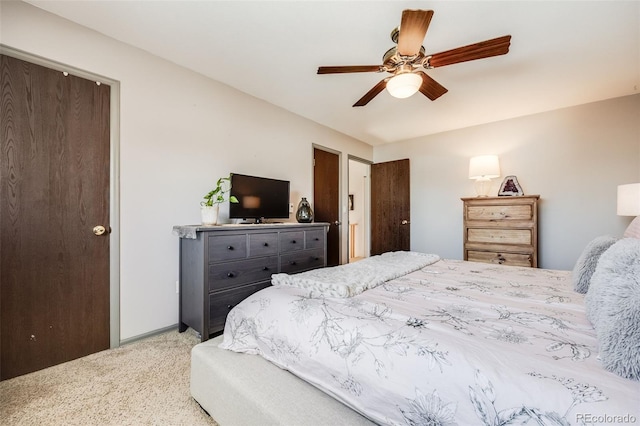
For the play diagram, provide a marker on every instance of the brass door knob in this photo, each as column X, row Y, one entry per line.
column 99, row 230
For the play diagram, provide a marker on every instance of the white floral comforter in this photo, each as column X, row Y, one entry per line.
column 453, row 343
column 354, row 278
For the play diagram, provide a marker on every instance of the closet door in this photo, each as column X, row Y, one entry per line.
column 54, row 190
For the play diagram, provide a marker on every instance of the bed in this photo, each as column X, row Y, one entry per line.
column 440, row 342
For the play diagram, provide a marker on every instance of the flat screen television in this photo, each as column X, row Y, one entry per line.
column 259, row 198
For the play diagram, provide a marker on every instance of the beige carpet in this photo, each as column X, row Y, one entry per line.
column 142, row 383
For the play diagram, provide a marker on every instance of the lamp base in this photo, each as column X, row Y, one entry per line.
column 483, row 186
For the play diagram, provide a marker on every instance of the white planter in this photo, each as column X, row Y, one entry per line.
column 209, row 214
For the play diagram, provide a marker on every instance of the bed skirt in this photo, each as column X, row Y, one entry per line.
column 241, row 389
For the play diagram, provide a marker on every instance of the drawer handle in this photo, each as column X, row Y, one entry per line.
column 293, row 241
column 501, row 259
column 315, row 258
column 316, row 239
column 229, row 307
column 266, row 244
column 230, row 248
column 266, row 268
column 231, row 275
column 293, row 262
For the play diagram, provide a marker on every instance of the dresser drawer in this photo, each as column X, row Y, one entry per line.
column 234, row 274
column 221, row 303
column 263, row 244
column 227, row 247
column 291, row 241
column 512, row 259
column 298, row 262
column 498, row 212
column 499, row 236
column 314, row 239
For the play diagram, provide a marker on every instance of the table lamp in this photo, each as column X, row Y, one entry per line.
column 484, row 168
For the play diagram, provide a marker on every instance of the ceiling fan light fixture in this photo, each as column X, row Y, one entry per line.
column 404, row 85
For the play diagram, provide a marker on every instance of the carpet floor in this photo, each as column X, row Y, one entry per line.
column 141, row 383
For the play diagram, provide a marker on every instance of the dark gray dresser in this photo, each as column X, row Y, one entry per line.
column 222, row 265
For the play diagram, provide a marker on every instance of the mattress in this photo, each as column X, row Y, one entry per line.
column 454, row 343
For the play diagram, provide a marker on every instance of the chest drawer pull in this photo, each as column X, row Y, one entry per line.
column 231, row 275
column 293, row 241
column 293, row 262
column 230, row 248
column 266, row 244
column 229, row 307
column 266, row 268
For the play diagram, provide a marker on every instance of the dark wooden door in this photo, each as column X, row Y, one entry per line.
column 326, row 200
column 54, row 188
column 390, row 207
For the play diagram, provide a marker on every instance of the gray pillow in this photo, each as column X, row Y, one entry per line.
column 613, row 307
column 586, row 264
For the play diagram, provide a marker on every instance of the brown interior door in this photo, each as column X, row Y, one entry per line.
column 54, row 189
column 390, row 207
column 326, row 190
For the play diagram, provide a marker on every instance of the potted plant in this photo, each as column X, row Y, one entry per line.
column 209, row 207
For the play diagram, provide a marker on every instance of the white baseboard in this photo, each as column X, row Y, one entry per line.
column 149, row 334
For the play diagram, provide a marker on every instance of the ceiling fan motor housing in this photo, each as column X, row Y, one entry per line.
column 392, row 60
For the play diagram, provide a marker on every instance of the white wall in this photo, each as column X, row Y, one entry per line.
column 179, row 132
column 574, row 158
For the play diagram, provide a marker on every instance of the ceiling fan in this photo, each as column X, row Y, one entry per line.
column 406, row 60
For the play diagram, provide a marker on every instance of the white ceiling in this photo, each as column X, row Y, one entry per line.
column 563, row 53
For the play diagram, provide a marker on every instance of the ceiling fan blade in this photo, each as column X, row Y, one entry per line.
column 431, row 88
column 350, row 68
column 372, row 93
column 483, row 49
column 413, row 28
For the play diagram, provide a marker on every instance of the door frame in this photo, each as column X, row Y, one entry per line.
column 114, row 177
column 367, row 207
column 341, row 202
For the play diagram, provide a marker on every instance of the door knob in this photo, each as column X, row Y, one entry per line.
column 99, row 230
column 404, row 222
column 337, row 223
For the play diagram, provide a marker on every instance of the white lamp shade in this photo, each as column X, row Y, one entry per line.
column 484, row 166
column 629, row 199
column 404, row 85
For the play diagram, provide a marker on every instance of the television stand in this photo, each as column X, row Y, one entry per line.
column 255, row 221
column 261, row 221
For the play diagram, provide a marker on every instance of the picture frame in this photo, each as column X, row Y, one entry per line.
column 351, row 206
column 510, row 187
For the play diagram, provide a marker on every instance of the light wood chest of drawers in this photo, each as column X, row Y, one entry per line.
column 224, row 265
column 501, row 230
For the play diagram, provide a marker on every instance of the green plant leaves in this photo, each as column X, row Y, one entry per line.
column 217, row 195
